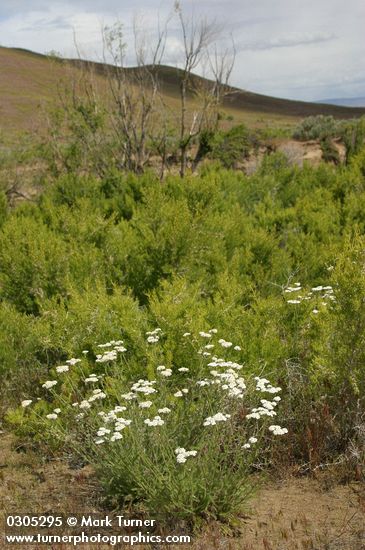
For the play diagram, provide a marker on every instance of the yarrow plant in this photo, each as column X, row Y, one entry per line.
column 179, row 440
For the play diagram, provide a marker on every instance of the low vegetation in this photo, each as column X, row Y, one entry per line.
column 325, row 129
column 274, row 260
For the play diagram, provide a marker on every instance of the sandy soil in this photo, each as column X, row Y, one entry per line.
column 293, row 514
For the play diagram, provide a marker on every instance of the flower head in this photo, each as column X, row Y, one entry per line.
column 49, row 384
column 62, row 368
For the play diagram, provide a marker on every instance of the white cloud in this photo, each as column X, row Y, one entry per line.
column 287, row 41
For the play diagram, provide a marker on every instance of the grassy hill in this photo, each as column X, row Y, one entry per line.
column 29, row 81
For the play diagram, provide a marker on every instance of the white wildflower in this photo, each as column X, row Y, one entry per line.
column 91, row 379
column 108, row 356
column 278, row 430
column 224, row 343
column 182, row 454
column 73, row 361
column 102, row 431
column 145, row 404
column 26, row 403
column 49, row 384
column 219, row 417
column 152, row 339
column 156, row 421
column 128, row 396
column 63, row 368
column 166, row 372
column 165, row 410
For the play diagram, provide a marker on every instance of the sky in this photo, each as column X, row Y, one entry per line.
column 299, row 49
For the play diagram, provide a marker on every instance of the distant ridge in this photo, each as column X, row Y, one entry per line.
column 345, row 101
column 28, row 81
column 245, row 100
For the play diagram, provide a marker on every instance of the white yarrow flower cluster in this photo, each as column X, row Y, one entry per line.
column 182, row 454
column 144, row 386
column 231, row 382
column 49, row 384
column 224, row 343
column 153, row 336
column 156, row 421
column 92, row 378
column 263, row 385
column 110, row 354
column 180, row 393
column 267, row 409
column 62, row 368
column 164, row 371
column 107, row 356
column 97, row 394
column 278, row 430
column 73, row 361
column 145, row 404
column 213, row 420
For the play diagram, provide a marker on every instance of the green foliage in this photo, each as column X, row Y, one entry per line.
column 329, row 151
column 231, row 146
column 33, row 263
column 274, row 260
column 317, row 127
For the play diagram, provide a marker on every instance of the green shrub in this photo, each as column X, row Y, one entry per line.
column 231, row 146
column 317, row 127
column 33, row 264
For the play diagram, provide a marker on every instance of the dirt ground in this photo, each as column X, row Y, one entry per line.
column 293, row 514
